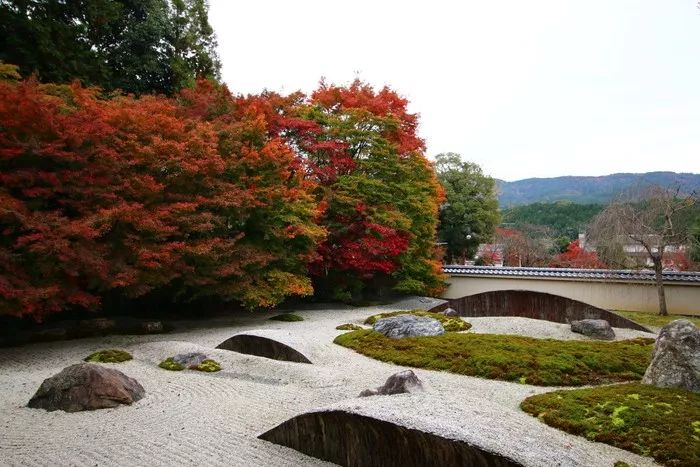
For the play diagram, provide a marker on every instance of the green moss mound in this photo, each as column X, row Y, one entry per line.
column 287, row 317
column 109, row 356
column 542, row 362
column 657, row 422
column 348, row 327
column 655, row 320
column 208, row 366
column 450, row 323
column 170, row 364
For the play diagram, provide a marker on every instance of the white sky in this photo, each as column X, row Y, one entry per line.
column 525, row 89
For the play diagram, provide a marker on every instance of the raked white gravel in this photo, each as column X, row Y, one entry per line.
column 191, row 418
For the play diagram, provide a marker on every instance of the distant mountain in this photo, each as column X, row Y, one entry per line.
column 587, row 189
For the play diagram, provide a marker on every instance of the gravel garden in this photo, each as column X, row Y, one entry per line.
column 262, row 390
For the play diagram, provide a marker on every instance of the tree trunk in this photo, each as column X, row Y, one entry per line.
column 658, row 268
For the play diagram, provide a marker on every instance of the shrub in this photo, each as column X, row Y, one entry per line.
column 450, row 323
column 108, row 356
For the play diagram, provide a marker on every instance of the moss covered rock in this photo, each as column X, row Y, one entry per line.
column 108, row 356
column 170, row 364
column 208, row 366
column 449, row 323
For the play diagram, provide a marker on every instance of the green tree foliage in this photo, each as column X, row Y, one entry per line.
column 138, row 46
column 695, row 241
column 379, row 193
column 193, row 42
column 469, row 214
column 564, row 218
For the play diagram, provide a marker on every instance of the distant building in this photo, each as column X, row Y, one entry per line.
column 639, row 256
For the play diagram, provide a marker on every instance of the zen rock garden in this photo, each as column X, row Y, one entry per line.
column 455, row 393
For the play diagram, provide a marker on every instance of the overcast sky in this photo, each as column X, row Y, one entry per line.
column 525, row 89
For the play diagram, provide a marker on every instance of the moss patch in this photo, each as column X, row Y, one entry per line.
column 109, row 356
column 208, row 366
column 287, row 317
column 654, row 319
column 170, row 364
column 658, row 422
column 450, row 323
column 348, row 327
column 542, row 362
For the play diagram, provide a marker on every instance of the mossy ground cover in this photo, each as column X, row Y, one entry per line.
column 170, row 364
column 288, row 317
column 348, row 327
column 207, row 366
column 450, row 323
column 654, row 319
column 657, row 422
column 542, row 362
column 109, row 356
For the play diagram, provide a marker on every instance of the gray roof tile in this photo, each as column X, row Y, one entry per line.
column 589, row 274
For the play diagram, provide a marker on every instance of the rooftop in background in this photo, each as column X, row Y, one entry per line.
column 574, row 274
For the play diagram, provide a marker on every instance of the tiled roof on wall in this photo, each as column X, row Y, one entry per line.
column 574, row 274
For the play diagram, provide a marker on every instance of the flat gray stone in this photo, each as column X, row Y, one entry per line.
column 397, row 327
column 593, row 328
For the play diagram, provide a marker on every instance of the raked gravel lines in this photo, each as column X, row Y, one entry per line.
column 191, row 418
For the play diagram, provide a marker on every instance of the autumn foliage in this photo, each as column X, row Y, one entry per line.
column 246, row 199
column 577, row 257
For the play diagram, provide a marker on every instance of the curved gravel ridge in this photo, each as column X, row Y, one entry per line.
column 193, row 418
column 519, row 437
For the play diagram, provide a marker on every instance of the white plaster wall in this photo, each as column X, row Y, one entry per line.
column 680, row 298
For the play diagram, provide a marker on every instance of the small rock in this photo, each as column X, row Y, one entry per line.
column 398, row 383
column 85, row 386
column 450, row 312
column 188, row 360
column 397, row 327
column 594, row 328
column 675, row 362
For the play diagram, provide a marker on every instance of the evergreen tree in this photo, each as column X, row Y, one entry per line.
column 470, row 213
column 138, row 46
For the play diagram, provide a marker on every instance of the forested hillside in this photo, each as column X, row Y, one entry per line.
column 598, row 190
column 563, row 218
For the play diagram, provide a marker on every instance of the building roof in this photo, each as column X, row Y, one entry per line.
column 573, row 274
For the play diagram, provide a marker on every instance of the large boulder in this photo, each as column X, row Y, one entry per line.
column 594, row 328
column 401, row 326
column 86, row 386
column 398, row 383
column 675, row 362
